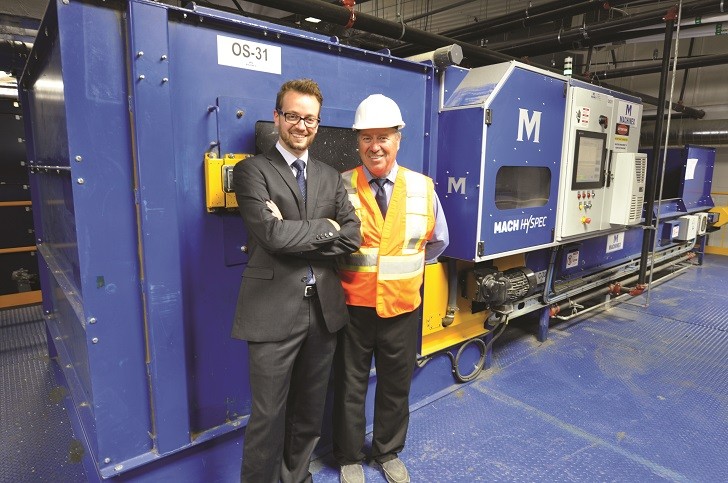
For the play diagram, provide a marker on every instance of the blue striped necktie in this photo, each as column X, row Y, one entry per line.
column 300, row 178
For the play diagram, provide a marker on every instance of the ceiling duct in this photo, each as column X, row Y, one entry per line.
column 523, row 18
column 698, row 61
column 689, row 131
column 393, row 30
column 603, row 32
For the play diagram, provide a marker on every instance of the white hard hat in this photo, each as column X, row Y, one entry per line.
column 377, row 111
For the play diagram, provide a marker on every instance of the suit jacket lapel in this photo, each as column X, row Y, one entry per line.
column 313, row 182
column 277, row 161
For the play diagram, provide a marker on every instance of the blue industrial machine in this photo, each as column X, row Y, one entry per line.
column 135, row 112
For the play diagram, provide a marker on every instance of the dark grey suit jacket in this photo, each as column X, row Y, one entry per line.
column 280, row 251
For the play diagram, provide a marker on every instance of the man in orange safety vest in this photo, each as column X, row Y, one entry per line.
column 402, row 226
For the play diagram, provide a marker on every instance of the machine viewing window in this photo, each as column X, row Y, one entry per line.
column 589, row 157
column 522, row 187
column 336, row 146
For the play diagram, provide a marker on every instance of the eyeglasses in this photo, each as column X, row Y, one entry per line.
column 293, row 118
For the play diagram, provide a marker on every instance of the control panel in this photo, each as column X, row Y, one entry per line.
column 601, row 134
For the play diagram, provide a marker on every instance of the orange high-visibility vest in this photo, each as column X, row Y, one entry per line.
column 387, row 271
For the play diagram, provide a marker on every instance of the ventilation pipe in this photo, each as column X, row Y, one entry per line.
column 393, row 30
column 689, row 131
column 600, row 33
column 535, row 15
column 699, row 61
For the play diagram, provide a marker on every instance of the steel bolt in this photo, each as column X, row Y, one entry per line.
column 107, row 460
column 140, row 53
column 95, row 340
column 164, row 57
column 79, row 158
column 92, row 320
column 164, row 79
column 141, row 77
column 80, row 181
column 240, row 113
column 118, row 467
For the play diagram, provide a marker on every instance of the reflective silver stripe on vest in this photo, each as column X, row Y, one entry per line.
column 362, row 260
column 351, row 190
column 401, row 267
column 415, row 210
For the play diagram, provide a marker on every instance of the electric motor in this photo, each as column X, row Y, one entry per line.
column 496, row 289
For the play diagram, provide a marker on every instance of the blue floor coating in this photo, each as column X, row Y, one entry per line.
column 633, row 394
column 37, row 440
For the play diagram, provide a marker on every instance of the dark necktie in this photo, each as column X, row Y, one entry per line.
column 381, row 195
column 300, row 178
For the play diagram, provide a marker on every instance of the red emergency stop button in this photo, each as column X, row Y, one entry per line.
column 586, row 220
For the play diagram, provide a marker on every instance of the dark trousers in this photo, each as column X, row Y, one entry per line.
column 393, row 343
column 288, row 382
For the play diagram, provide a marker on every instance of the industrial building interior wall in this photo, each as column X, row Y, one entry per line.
column 718, row 241
column 704, row 89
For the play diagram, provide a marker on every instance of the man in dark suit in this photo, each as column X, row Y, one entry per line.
column 291, row 301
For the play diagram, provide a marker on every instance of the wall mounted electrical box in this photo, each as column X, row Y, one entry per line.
column 629, row 170
column 688, row 227
column 702, row 223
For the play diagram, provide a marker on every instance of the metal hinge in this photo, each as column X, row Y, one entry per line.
column 488, row 117
column 481, row 248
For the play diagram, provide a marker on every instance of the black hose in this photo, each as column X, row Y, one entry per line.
column 484, row 348
column 456, row 361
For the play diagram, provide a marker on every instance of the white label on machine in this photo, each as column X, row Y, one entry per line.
column 244, row 54
column 690, row 168
column 675, row 231
column 615, row 242
column 572, row 259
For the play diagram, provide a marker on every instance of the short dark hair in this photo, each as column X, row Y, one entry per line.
column 302, row 86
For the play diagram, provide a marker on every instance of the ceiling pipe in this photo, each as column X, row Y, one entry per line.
column 498, row 25
column 504, row 23
column 393, row 30
column 600, row 33
column 437, row 10
column 689, row 63
column 688, row 131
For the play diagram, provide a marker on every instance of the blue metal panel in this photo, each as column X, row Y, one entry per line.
column 533, row 92
column 159, row 218
column 699, row 178
column 103, row 202
column 460, row 147
column 593, row 254
column 452, row 77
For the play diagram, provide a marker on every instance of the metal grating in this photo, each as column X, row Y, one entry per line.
column 37, row 441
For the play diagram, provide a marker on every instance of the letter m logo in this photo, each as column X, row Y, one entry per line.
column 628, row 110
column 456, row 185
column 529, row 124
